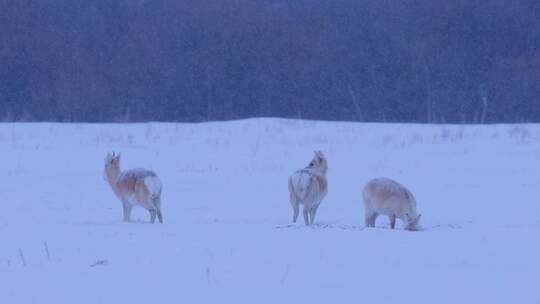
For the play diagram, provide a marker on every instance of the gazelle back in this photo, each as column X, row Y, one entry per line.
column 134, row 187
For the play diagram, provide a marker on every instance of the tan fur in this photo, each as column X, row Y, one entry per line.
column 134, row 187
column 388, row 197
column 308, row 187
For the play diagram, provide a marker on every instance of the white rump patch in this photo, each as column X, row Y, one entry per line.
column 300, row 182
column 153, row 183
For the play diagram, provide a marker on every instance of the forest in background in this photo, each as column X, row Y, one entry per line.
column 437, row 61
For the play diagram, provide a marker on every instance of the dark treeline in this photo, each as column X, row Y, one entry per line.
column 126, row 60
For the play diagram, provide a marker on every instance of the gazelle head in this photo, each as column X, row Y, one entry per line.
column 112, row 166
column 319, row 162
column 412, row 222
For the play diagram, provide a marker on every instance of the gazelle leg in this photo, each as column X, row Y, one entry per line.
column 127, row 210
column 295, row 212
column 392, row 221
column 306, row 215
column 374, row 219
column 156, row 201
column 152, row 215
column 160, row 217
column 370, row 219
column 366, row 220
column 313, row 213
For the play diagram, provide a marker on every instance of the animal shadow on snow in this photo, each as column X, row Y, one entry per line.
column 317, row 226
column 420, row 227
column 115, row 222
column 360, row 227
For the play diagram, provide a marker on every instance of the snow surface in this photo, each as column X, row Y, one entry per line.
column 228, row 235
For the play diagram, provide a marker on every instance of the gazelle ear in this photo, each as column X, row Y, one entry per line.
column 108, row 158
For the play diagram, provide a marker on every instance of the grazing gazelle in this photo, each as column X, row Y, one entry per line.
column 134, row 187
column 388, row 197
column 308, row 187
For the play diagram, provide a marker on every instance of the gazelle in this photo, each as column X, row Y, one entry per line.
column 134, row 187
column 388, row 197
column 308, row 187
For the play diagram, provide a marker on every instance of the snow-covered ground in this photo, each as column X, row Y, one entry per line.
column 227, row 235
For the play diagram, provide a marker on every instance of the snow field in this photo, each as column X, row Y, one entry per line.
column 227, row 234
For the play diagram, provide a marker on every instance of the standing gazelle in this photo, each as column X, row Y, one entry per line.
column 134, row 187
column 388, row 197
column 308, row 187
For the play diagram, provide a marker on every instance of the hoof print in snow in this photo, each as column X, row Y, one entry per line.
column 285, row 226
column 99, row 263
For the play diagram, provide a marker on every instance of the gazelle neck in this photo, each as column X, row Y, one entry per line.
column 313, row 171
column 112, row 177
